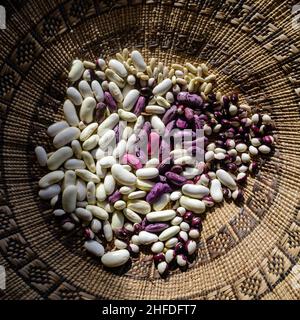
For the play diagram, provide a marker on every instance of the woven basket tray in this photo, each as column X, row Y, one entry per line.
column 248, row 252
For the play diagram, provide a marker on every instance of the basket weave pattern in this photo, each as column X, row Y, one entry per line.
column 248, row 252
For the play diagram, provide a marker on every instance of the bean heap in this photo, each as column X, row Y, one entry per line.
column 127, row 198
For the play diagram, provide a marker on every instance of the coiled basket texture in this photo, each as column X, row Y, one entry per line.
column 245, row 252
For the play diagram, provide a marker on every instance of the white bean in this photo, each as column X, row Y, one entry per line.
column 195, row 205
column 216, row 190
column 70, row 113
column 59, row 157
column 87, row 109
column 66, row 136
column 94, row 248
column 74, row 95
column 69, row 197
column 49, row 192
column 41, row 156
column 162, row 87
column 115, row 259
column 158, row 216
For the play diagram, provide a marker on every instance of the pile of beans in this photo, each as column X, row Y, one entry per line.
column 125, row 198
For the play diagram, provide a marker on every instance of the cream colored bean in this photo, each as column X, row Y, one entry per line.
column 118, row 67
column 125, row 190
column 86, row 175
column 97, row 212
column 152, row 163
column 195, row 191
column 109, row 123
column 76, row 147
column 162, row 202
column 152, row 109
column 195, row 205
column 88, row 131
column 115, row 92
column 112, row 76
column 74, row 95
column 50, row 192
column 132, row 216
column 100, row 192
column 81, row 190
column 97, row 90
column 85, row 89
column 136, row 195
column 41, row 156
column 127, row 116
column 59, row 157
column 138, row 61
column 120, row 150
column 147, row 237
column 158, row 216
column 70, row 113
column 157, row 124
column 69, row 197
column 107, row 230
column 107, row 162
column 83, row 214
column 109, row 184
column 226, row 179
column 147, row 173
column 91, row 142
column 66, row 136
column 89, row 161
column 91, row 192
column 115, row 259
column 130, row 99
column 87, row 109
column 169, row 233
column 94, row 247
column 139, row 206
column 56, row 127
column 117, row 220
column 107, row 139
column 162, row 87
column 123, row 176
column 216, row 190
column 120, row 205
column 175, row 195
column 145, row 185
column 76, row 71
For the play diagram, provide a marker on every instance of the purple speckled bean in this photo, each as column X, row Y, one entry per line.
column 110, row 101
column 198, row 122
column 157, row 190
column 169, row 127
column 189, row 113
column 169, row 115
column 144, row 223
column 165, row 165
column 115, row 197
column 117, row 133
column 175, row 179
column 132, row 160
column 190, row 99
column 156, row 227
column 100, row 110
column 139, row 106
column 181, row 124
column 176, row 169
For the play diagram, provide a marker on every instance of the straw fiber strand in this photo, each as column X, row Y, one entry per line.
column 248, row 252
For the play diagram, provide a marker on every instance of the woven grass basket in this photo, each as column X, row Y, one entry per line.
column 247, row 252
